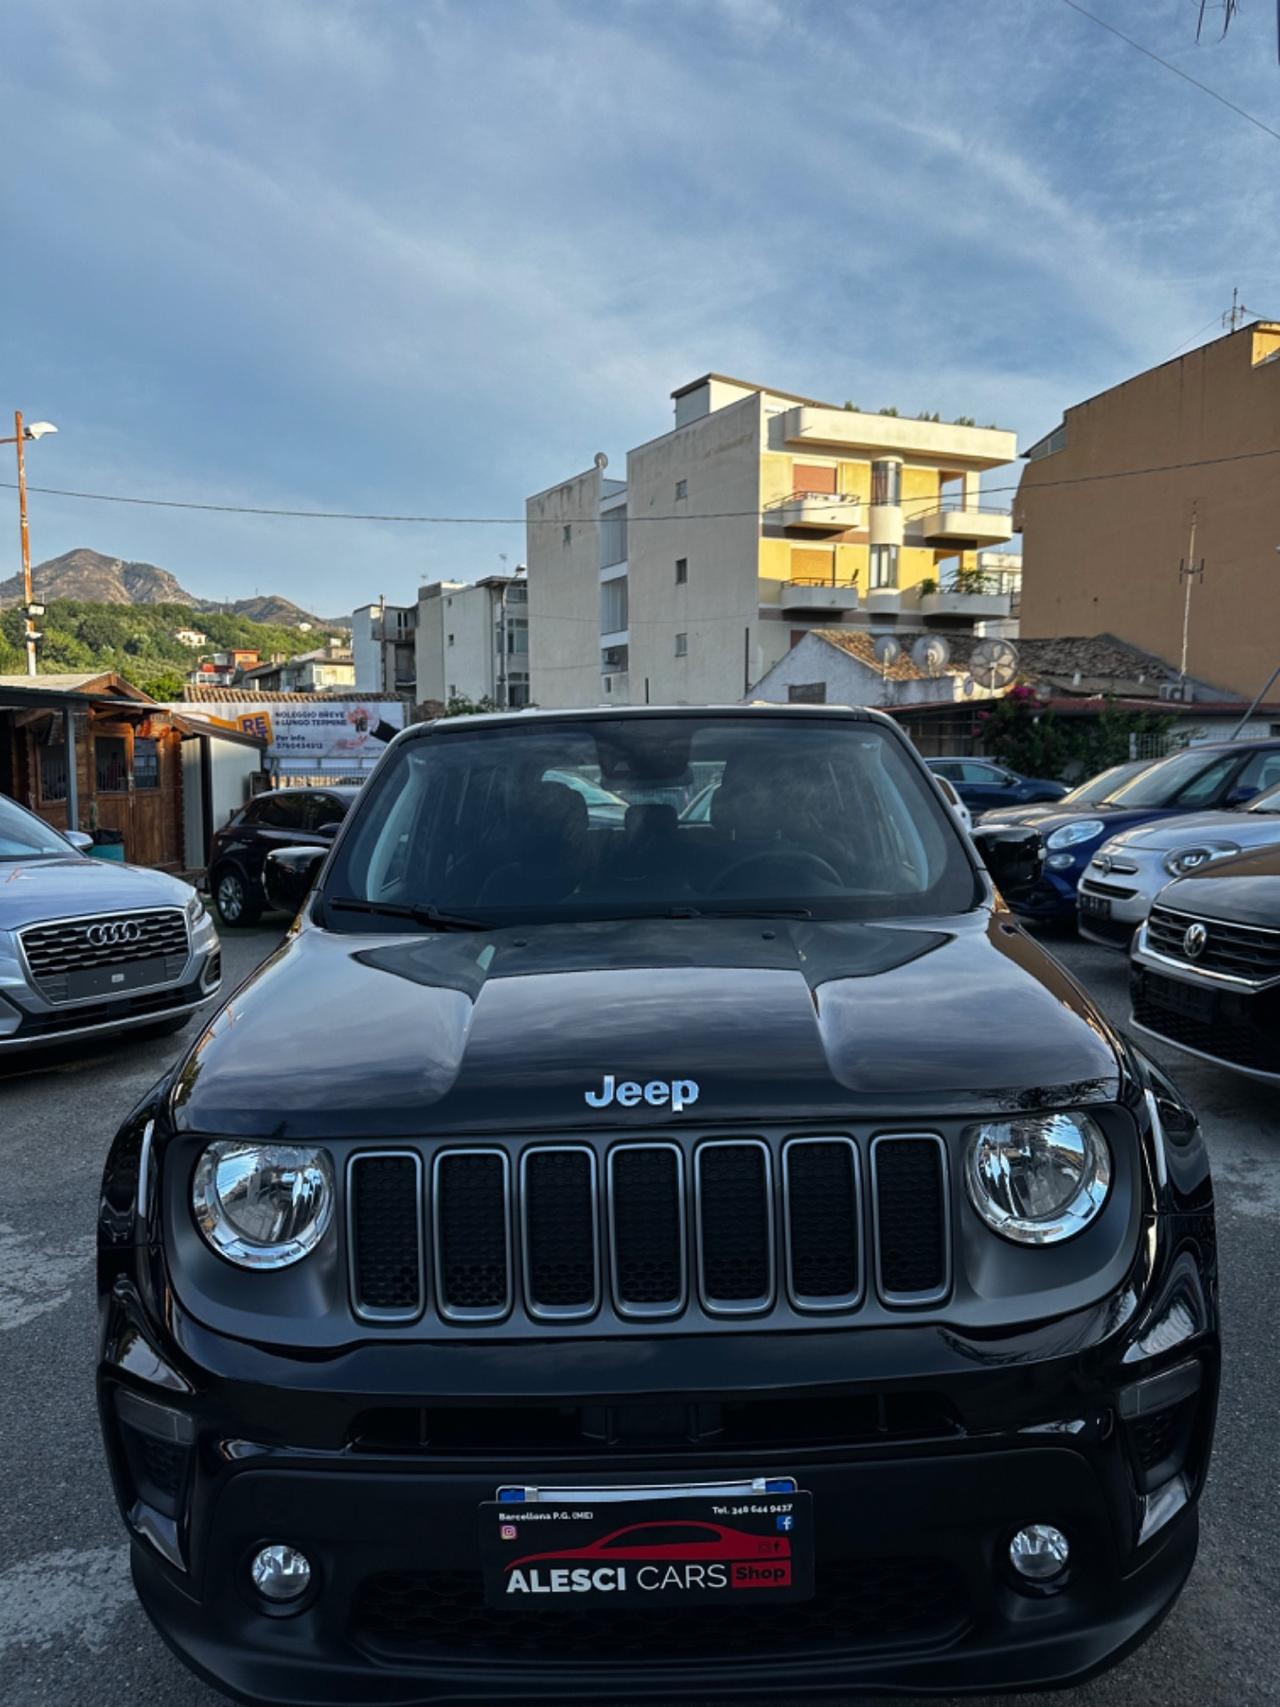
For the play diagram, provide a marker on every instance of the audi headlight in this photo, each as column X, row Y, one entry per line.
column 1084, row 830
column 1183, row 860
column 263, row 1205
column 195, row 909
column 1037, row 1179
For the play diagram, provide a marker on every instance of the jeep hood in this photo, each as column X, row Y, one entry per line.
column 498, row 1031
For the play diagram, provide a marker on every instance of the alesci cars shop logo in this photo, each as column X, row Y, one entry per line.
column 657, row 1556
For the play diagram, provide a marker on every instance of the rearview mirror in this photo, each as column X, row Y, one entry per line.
column 1013, row 855
column 289, row 874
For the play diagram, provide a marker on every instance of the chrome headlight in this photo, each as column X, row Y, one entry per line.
column 1183, row 860
column 263, row 1205
column 1083, row 831
column 1037, row 1179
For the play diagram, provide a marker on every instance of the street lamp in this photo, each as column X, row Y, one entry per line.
column 21, row 434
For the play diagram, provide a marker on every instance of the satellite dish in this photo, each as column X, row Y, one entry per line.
column 930, row 654
column 601, row 461
column 994, row 663
column 887, row 651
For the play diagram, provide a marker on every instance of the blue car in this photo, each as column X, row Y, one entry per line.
column 1203, row 778
column 982, row 784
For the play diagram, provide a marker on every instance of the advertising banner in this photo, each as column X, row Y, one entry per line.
column 320, row 734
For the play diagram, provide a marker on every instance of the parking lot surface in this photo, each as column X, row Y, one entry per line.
column 70, row 1631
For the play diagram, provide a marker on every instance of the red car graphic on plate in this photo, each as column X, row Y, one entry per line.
column 667, row 1540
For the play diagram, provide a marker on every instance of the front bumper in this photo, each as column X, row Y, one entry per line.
column 1053, row 899
column 924, row 1451
column 1230, row 1025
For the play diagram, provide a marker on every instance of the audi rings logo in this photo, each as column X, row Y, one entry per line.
column 114, row 933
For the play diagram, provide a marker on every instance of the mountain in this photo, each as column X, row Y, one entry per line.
column 91, row 577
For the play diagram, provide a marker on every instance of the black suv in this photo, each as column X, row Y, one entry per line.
column 717, row 1256
column 287, row 817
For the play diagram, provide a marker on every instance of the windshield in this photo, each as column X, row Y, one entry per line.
column 1104, row 786
column 23, row 835
column 1187, row 778
column 828, row 818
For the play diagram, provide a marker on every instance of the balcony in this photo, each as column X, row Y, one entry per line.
column 817, row 598
column 964, row 604
column 965, row 529
column 976, row 447
column 823, row 511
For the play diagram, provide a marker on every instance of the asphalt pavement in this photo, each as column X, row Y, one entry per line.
column 70, row 1631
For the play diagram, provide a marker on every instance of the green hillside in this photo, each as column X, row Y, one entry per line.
column 137, row 641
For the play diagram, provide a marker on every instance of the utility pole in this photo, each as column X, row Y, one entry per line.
column 1189, row 571
column 21, row 433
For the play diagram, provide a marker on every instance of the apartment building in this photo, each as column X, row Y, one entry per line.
column 760, row 516
column 328, row 668
column 1176, row 468
column 461, row 640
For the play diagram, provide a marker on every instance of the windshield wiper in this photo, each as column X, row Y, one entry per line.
column 421, row 914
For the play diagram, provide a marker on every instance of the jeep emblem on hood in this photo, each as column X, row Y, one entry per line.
column 679, row 1093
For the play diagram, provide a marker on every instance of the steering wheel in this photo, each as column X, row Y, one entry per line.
column 787, row 862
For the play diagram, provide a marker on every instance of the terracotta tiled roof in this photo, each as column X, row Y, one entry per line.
column 861, row 646
column 197, row 693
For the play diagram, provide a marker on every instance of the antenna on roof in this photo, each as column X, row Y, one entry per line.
column 993, row 663
column 601, row 461
column 887, row 652
column 930, row 654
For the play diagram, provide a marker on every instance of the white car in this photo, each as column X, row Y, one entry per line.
column 1128, row 872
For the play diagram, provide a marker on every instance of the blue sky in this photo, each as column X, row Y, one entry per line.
column 430, row 255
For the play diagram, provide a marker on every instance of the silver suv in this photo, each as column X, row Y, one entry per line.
column 88, row 947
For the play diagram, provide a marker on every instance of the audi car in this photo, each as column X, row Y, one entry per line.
column 558, row 1179
column 90, row 948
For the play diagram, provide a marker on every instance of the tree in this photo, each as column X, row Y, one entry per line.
column 460, row 707
column 1020, row 731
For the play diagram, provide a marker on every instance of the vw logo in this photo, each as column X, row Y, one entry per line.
column 114, row 933
column 1193, row 940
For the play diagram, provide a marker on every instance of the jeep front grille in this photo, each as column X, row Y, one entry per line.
column 649, row 1230
column 54, row 951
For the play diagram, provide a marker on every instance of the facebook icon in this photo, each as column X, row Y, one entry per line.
column 785, row 1523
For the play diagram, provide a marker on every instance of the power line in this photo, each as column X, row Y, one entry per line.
column 925, row 503
column 1170, row 66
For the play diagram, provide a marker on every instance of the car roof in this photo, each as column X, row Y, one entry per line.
column 597, row 713
column 346, row 788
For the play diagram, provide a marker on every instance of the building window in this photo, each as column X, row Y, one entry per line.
column 884, row 566
column 682, row 488
column 111, row 764
column 614, row 606
column 682, row 571
column 682, row 645
column 53, row 773
column 886, row 482
column 453, row 690
column 146, row 764
column 450, row 640
column 568, row 532
column 807, row 693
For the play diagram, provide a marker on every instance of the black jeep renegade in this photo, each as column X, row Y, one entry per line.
column 656, row 1227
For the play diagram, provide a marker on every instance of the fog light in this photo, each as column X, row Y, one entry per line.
column 1060, row 861
column 1039, row 1552
column 282, row 1573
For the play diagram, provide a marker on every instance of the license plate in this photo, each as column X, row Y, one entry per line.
column 1178, row 998
column 570, row 1548
column 1098, row 906
column 114, row 980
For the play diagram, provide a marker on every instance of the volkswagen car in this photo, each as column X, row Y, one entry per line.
column 563, row 1195
column 90, row 948
column 1205, row 966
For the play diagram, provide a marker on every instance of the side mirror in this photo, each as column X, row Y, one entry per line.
column 1013, row 855
column 1240, row 794
column 1009, row 780
column 79, row 840
column 289, row 874
column 330, row 830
